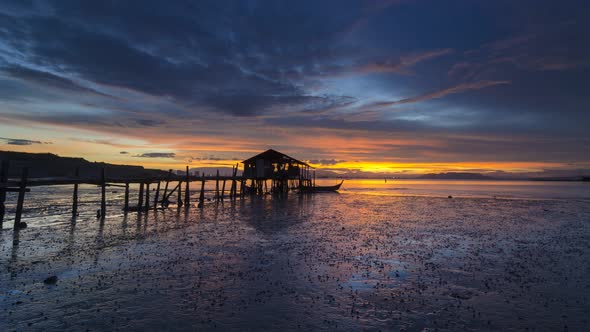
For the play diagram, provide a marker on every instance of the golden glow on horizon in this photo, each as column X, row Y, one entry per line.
column 373, row 167
column 349, row 150
column 423, row 168
column 100, row 152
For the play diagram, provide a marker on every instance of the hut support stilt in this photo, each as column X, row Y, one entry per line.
column 242, row 186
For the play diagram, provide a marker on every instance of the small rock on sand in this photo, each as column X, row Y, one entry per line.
column 50, row 281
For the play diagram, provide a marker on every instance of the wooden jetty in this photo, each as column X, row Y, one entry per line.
column 161, row 200
column 283, row 172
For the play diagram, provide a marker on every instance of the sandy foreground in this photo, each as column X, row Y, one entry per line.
column 324, row 262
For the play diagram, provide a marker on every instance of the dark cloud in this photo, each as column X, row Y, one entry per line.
column 213, row 68
column 18, row 141
column 252, row 104
column 112, row 53
column 149, row 122
column 207, row 158
column 47, row 79
column 123, row 152
column 440, row 94
column 156, row 155
column 402, row 64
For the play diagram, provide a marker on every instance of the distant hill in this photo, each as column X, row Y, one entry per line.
column 43, row 165
column 455, row 176
column 562, row 178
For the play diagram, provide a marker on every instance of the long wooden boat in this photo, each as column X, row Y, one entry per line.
column 322, row 188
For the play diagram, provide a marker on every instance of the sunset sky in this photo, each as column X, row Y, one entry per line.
column 396, row 86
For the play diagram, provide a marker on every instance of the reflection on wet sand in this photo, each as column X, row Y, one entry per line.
column 14, row 254
column 334, row 262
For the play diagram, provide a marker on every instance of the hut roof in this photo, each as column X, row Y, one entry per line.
column 274, row 156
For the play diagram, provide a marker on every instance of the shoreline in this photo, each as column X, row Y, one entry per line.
column 343, row 262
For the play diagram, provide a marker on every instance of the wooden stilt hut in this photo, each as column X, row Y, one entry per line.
column 278, row 168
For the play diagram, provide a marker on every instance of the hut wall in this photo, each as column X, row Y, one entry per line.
column 260, row 168
column 293, row 172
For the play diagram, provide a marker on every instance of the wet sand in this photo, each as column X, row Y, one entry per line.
column 323, row 262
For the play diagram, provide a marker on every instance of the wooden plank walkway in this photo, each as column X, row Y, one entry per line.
column 23, row 185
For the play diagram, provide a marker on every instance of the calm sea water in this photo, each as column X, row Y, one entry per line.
column 47, row 205
column 456, row 188
column 500, row 255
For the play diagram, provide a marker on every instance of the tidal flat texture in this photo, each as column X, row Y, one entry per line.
column 321, row 262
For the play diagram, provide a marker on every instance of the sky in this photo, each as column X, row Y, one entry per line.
column 394, row 86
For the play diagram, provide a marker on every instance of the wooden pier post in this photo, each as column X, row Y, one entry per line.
column 234, row 184
column 223, row 190
column 179, row 200
column 217, row 186
column 3, row 179
column 140, row 200
column 75, row 195
column 147, row 196
column 126, row 206
column 21, row 198
column 187, row 192
column 202, row 196
column 157, row 196
column 231, row 187
column 164, row 197
column 103, row 194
